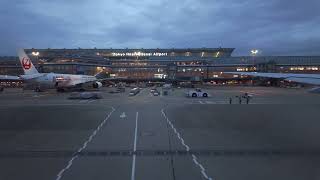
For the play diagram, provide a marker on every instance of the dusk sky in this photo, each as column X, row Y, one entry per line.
column 276, row 27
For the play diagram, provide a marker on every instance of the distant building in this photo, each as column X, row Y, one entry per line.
column 207, row 64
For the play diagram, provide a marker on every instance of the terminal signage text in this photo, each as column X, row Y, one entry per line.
column 140, row 54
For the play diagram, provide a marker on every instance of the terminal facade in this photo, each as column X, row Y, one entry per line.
column 192, row 64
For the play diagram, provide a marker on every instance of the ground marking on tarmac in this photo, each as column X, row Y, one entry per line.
column 210, row 102
column 37, row 95
column 134, row 149
column 84, row 101
column 123, row 115
column 91, row 101
column 60, row 174
column 201, row 102
column 194, row 157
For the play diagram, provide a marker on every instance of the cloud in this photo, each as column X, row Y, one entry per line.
column 276, row 27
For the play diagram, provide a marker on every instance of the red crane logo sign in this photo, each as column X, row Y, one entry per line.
column 26, row 63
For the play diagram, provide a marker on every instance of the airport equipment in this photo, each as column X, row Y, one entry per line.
column 197, row 93
column 134, row 91
column 153, row 90
column 167, row 86
column 156, row 93
column 118, row 90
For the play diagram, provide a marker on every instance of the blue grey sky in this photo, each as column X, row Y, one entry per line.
column 276, row 27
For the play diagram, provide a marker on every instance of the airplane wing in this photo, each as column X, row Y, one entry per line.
column 111, row 79
column 7, row 77
column 97, row 82
column 300, row 78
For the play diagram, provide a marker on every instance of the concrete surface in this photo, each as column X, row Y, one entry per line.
column 46, row 136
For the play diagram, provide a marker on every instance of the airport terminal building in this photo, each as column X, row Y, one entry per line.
column 192, row 64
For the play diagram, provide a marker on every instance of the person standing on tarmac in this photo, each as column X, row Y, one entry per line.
column 230, row 100
column 240, row 100
column 247, row 98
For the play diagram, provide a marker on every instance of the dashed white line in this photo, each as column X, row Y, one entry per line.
column 194, row 157
column 91, row 101
column 83, row 101
column 87, row 101
column 85, row 144
column 134, row 149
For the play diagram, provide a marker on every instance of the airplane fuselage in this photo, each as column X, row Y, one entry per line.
column 54, row 80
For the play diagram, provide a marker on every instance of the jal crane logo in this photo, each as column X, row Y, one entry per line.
column 26, row 63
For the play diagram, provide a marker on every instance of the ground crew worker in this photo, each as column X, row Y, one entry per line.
column 248, row 98
column 230, row 100
column 240, row 100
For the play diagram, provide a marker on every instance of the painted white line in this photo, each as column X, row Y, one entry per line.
column 201, row 102
column 194, row 157
column 91, row 101
column 83, row 101
column 85, row 144
column 136, row 133
column 123, row 115
column 41, row 104
column 134, row 149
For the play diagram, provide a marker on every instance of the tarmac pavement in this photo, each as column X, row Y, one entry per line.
column 47, row 136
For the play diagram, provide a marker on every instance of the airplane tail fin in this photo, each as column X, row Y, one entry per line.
column 26, row 63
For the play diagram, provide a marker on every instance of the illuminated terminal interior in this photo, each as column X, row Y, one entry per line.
column 193, row 64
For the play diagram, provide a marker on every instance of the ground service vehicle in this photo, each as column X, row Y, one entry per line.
column 197, row 93
column 156, row 93
column 134, row 91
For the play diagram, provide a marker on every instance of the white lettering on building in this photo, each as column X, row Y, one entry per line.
column 139, row 54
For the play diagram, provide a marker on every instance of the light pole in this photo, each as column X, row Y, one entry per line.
column 254, row 52
column 36, row 54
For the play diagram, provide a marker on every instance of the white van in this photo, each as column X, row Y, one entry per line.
column 134, row 91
